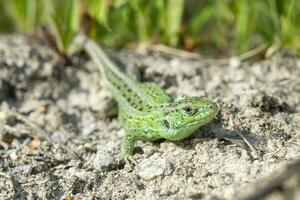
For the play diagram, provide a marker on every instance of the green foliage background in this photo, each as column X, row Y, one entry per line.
column 223, row 26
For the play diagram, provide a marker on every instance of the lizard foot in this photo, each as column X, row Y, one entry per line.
column 130, row 160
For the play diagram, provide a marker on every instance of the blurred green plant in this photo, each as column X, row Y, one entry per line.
column 241, row 24
column 169, row 21
column 26, row 15
column 225, row 26
column 62, row 18
column 65, row 24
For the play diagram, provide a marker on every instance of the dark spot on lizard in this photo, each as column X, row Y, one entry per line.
column 166, row 124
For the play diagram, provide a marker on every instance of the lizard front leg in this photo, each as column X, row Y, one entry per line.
column 127, row 148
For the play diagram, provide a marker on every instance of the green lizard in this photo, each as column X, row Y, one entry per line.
column 146, row 112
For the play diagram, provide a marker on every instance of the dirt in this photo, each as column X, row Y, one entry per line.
column 60, row 138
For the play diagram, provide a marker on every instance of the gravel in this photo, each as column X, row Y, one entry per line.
column 60, row 138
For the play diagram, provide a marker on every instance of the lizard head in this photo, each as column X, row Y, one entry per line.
column 183, row 117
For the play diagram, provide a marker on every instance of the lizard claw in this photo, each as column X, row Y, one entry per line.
column 130, row 160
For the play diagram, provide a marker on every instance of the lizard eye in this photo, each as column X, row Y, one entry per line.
column 189, row 110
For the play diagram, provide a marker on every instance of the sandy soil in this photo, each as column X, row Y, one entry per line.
column 60, row 139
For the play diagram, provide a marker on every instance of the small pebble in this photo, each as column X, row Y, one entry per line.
column 80, row 173
column 104, row 161
column 87, row 130
column 13, row 155
column 153, row 167
column 59, row 137
column 22, row 169
column 234, row 62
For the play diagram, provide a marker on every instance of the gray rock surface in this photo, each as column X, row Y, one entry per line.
column 72, row 147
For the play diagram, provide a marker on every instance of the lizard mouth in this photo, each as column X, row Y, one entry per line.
column 187, row 129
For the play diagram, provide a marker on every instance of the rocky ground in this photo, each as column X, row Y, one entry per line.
column 60, row 139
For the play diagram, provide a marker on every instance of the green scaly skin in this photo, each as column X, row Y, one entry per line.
column 146, row 112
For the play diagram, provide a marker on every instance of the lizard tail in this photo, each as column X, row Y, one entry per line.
column 126, row 91
column 115, row 79
column 104, row 64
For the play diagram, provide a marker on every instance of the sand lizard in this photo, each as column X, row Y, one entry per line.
column 145, row 111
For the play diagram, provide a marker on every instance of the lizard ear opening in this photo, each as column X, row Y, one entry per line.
column 180, row 98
